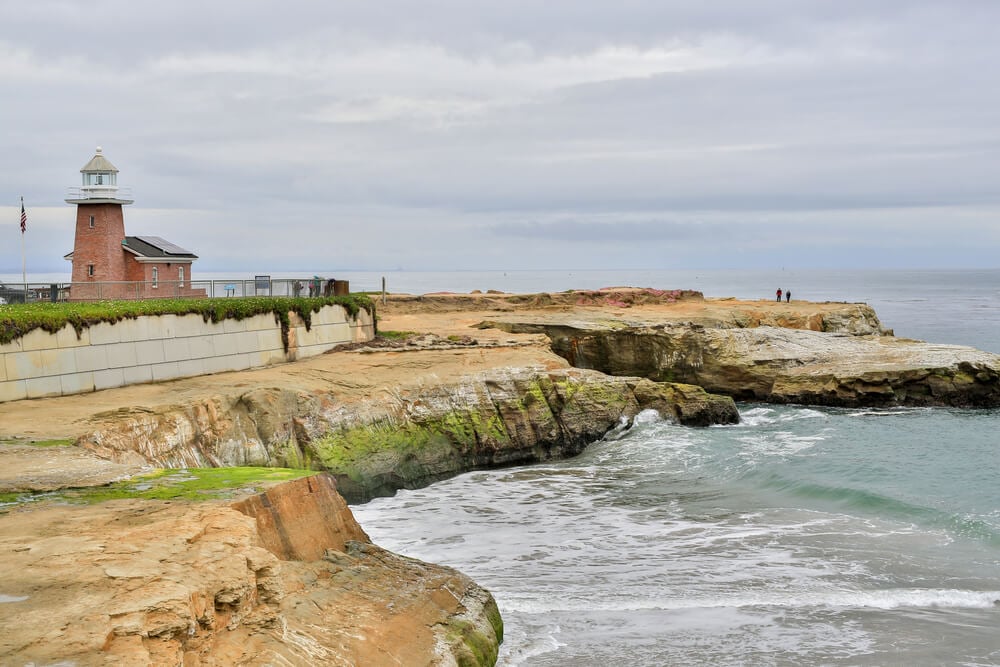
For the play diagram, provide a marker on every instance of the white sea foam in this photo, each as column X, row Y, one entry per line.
column 884, row 412
column 757, row 416
column 827, row 600
column 648, row 417
column 519, row 649
column 765, row 416
column 779, row 444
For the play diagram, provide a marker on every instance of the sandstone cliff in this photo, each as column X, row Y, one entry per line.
column 843, row 362
column 410, row 437
column 287, row 577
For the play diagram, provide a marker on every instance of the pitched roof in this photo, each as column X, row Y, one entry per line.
column 99, row 163
column 154, row 246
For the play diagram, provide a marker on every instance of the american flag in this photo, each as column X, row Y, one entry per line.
column 24, row 217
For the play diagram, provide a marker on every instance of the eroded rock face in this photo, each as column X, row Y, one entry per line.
column 287, row 524
column 156, row 583
column 790, row 366
column 409, row 438
column 505, row 417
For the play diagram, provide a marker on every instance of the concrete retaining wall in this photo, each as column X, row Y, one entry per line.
column 164, row 347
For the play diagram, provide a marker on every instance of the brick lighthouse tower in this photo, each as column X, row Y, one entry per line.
column 100, row 228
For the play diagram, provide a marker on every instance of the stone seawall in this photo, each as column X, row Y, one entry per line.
column 164, row 347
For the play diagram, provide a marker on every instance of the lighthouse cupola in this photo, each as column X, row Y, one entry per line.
column 99, row 183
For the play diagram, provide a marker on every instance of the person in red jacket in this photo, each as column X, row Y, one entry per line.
column 778, row 294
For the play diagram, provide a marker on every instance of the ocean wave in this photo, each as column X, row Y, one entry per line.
column 647, row 417
column 916, row 598
column 883, row 506
column 518, row 648
column 765, row 416
column 781, row 444
column 883, row 412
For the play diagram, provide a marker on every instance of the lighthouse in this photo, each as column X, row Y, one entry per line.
column 107, row 264
column 100, row 227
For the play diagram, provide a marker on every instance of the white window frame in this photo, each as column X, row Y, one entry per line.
column 156, row 277
column 180, row 276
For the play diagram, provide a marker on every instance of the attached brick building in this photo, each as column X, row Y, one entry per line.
column 109, row 265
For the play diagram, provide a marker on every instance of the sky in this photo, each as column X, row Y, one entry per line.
column 465, row 135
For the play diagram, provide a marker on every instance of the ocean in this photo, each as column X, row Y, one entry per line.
column 801, row 536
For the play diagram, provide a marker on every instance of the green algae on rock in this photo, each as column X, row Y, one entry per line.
column 504, row 418
column 411, row 437
column 192, row 484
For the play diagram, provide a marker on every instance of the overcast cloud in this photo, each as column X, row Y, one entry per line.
column 459, row 134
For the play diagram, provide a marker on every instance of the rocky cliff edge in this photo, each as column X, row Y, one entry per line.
column 413, row 435
column 284, row 577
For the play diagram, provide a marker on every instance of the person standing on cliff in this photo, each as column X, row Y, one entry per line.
column 778, row 293
column 788, row 296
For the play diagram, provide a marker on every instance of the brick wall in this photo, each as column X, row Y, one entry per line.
column 100, row 245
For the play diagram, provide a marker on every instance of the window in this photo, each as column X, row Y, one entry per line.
column 91, row 222
column 90, row 270
column 100, row 179
column 180, row 275
column 156, row 277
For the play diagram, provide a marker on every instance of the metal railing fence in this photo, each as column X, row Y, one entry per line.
column 32, row 292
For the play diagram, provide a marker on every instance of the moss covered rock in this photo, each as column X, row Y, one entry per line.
column 409, row 438
column 502, row 418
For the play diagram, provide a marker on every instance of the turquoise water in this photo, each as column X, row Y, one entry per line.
column 801, row 536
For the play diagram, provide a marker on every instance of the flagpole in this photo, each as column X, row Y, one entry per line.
column 24, row 261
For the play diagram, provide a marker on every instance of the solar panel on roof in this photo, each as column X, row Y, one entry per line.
column 164, row 245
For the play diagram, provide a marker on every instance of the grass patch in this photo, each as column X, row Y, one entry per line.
column 396, row 335
column 188, row 484
column 17, row 320
column 57, row 442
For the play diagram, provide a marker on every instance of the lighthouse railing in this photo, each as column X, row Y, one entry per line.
column 99, row 192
